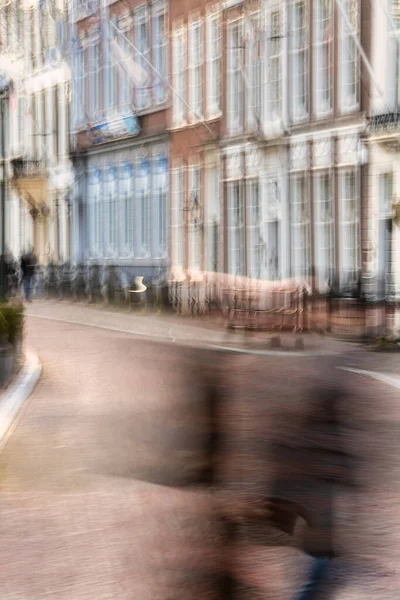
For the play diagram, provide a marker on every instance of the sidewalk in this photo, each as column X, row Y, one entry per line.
column 170, row 327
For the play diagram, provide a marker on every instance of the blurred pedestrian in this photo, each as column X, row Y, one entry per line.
column 28, row 269
column 316, row 467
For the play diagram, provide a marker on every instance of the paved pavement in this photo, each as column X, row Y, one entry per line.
column 85, row 512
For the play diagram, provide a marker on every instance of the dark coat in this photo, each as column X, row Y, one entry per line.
column 311, row 468
column 28, row 265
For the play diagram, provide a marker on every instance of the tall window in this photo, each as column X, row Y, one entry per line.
column 254, row 71
column 324, row 228
column 126, row 211
column 300, row 226
column 393, row 71
column 213, row 49
column 235, row 76
column 143, row 203
column 110, row 210
column 94, row 79
column 80, row 86
column 160, row 58
column 385, row 258
column 349, row 56
column 254, row 229
column 160, row 190
column 212, row 217
column 177, row 217
column 323, row 28
column 196, row 69
column 179, row 75
column 349, row 230
column 275, row 66
column 194, row 189
column 94, row 223
column 273, row 230
column 125, row 90
column 300, row 60
column 143, row 47
column 236, row 233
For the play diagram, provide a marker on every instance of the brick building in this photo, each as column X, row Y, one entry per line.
column 121, row 154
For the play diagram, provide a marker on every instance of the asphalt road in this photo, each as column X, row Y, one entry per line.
column 97, row 492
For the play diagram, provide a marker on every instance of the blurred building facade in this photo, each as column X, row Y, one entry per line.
column 34, row 59
column 278, row 173
column 121, row 155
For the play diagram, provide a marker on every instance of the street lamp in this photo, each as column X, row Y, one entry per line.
column 4, row 92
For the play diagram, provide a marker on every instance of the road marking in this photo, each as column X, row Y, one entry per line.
column 390, row 380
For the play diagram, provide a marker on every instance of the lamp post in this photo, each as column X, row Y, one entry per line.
column 4, row 90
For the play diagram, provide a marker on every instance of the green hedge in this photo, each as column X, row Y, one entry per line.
column 11, row 323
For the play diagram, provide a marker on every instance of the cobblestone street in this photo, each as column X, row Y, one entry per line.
column 88, row 506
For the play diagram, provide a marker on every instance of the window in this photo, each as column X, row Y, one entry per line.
column 300, row 226
column 212, row 218
column 196, row 69
column 55, row 125
column 143, row 46
column 255, row 240
column 385, row 241
column 125, row 92
column 324, row 228
column 213, row 48
column 21, row 147
column 110, row 210
column 236, row 240
column 396, row 13
column 127, row 206
column 275, row 66
column 179, row 76
column 195, row 254
column 349, row 230
column 254, row 71
column 160, row 46
column 177, row 217
column 349, row 57
column 323, row 28
column 95, row 229
column 393, row 70
column 273, row 230
column 300, row 60
column 160, row 189
column 80, row 87
column 144, row 207
column 235, row 77
column 94, row 79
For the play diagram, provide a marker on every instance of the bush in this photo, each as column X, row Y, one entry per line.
column 11, row 323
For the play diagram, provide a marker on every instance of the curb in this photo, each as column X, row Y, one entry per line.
column 12, row 400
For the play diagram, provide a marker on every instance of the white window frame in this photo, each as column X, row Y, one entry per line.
column 141, row 18
column 300, row 62
column 195, row 64
column 349, row 59
column 254, row 70
column 275, row 64
column 235, row 82
column 93, row 71
column 324, row 226
column 143, row 204
column 178, row 180
column 110, row 208
column 254, row 229
column 323, row 58
column 126, row 191
column 179, row 64
column 212, row 216
column 80, row 95
column 236, row 227
column 213, row 64
column 349, row 269
column 160, row 205
column 160, row 52
column 124, row 85
column 195, row 254
column 301, row 225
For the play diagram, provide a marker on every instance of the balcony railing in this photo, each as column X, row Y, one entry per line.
column 26, row 167
column 387, row 123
